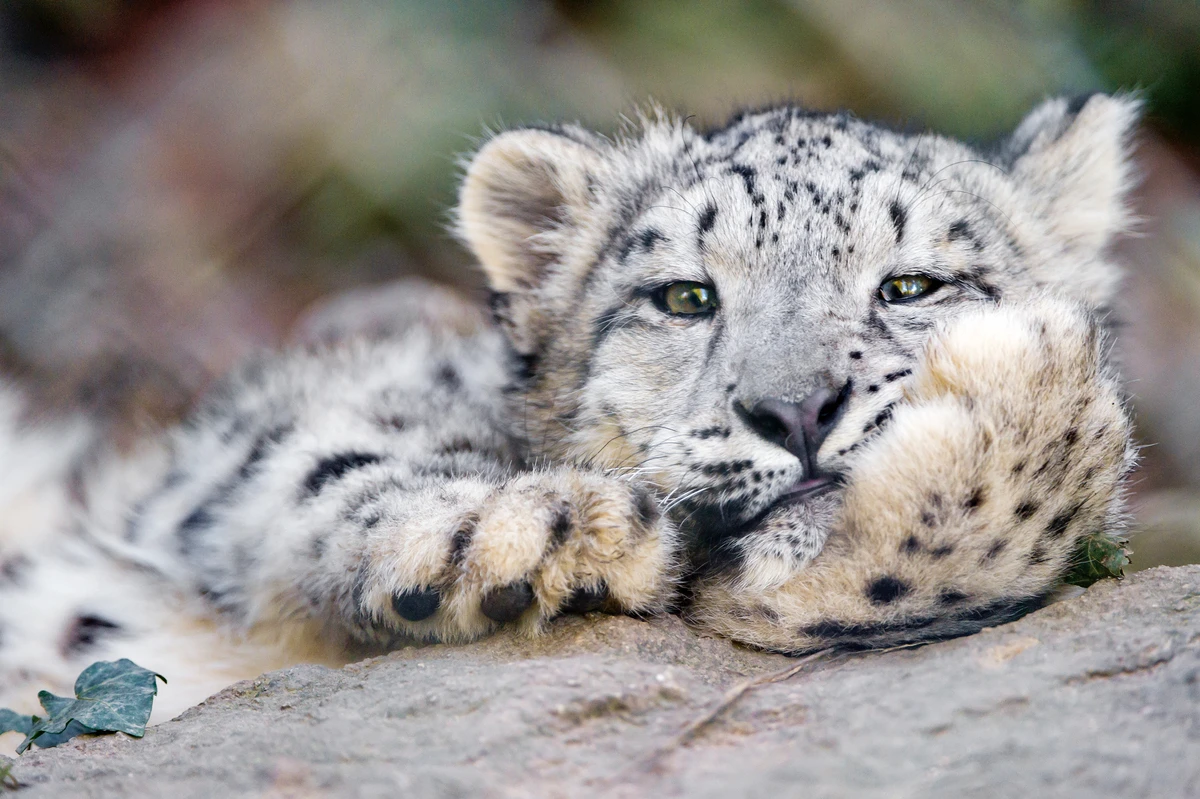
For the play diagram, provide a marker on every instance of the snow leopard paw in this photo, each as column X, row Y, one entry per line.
column 543, row 544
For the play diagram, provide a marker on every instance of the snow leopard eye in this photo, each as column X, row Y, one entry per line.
column 686, row 298
column 908, row 287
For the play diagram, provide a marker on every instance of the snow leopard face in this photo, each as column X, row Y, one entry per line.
column 733, row 313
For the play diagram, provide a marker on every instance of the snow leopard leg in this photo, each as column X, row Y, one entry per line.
column 453, row 560
column 370, row 491
column 967, row 509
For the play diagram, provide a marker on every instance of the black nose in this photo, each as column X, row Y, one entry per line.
column 799, row 427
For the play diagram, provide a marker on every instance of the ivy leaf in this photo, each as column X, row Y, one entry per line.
column 14, row 722
column 1097, row 557
column 111, row 696
column 49, row 739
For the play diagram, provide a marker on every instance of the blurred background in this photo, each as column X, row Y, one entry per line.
column 182, row 181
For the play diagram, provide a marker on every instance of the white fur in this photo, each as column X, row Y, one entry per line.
column 318, row 502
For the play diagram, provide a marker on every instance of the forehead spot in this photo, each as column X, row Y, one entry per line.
column 649, row 238
column 750, row 179
column 899, row 219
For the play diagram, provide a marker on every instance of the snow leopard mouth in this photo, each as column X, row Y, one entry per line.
column 809, row 488
column 710, row 524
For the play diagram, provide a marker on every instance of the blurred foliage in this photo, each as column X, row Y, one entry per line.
column 441, row 73
column 1150, row 44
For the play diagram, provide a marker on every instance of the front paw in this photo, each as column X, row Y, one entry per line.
column 1010, row 447
column 543, row 544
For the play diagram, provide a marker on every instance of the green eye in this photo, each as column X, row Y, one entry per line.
column 908, row 287
column 687, row 299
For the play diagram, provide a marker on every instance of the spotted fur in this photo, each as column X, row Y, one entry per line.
column 591, row 450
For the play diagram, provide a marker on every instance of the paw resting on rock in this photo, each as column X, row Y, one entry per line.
column 545, row 543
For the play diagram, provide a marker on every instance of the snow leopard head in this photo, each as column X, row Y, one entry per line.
column 733, row 312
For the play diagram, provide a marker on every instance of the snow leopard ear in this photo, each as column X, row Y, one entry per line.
column 1073, row 154
column 523, row 195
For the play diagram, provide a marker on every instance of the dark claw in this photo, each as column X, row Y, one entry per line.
column 416, row 605
column 508, row 603
column 587, row 599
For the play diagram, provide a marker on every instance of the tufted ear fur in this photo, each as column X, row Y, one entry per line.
column 1073, row 156
column 524, row 192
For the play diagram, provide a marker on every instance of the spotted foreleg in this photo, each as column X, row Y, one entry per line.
column 452, row 559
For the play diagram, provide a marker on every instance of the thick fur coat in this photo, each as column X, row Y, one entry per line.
column 806, row 380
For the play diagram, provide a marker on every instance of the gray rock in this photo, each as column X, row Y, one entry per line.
column 1095, row 696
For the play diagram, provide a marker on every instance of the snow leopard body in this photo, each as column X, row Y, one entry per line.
column 802, row 463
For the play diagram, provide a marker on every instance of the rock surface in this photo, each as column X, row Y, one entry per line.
column 1095, row 696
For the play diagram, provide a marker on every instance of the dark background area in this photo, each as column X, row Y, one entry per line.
column 181, row 180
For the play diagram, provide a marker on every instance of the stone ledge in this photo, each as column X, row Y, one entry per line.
column 1094, row 696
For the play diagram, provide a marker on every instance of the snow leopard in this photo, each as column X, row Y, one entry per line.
column 808, row 381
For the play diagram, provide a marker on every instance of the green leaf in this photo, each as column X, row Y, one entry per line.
column 14, row 722
column 49, row 739
column 109, row 697
column 1097, row 557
